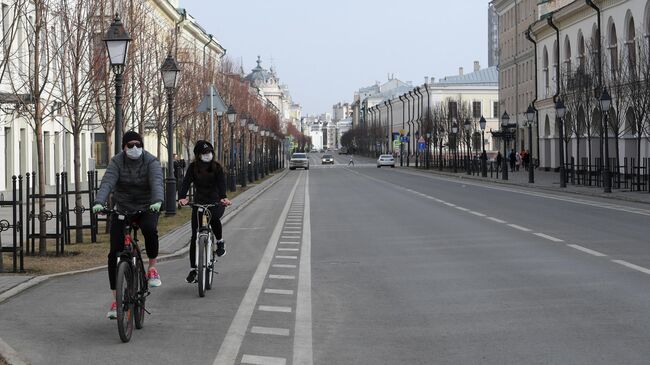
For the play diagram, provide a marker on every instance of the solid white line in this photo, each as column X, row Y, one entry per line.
column 278, row 291
column 589, row 251
column 284, row 266
column 283, row 277
column 232, row 342
column 449, row 204
column 302, row 340
column 273, row 308
column 495, row 220
column 632, row 266
column 270, row 331
column 519, row 227
column 477, row 214
column 289, row 249
column 262, row 360
column 287, row 257
column 550, row 238
column 463, row 209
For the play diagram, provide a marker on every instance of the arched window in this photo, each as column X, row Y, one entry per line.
column 629, row 120
column 613, row 48
column 630, row 43
column 567, row 55
column 581, row 49
column 547, row 127
column 545, row 70
column 580, row 126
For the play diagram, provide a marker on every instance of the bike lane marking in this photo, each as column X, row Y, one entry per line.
column 231, row 344
column 302, row 339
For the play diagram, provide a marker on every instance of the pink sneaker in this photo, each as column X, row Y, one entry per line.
column 154, row 277
column 112, row 314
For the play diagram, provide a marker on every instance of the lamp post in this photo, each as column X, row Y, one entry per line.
column 605, row 105
column 232, row 116
column 441, row 137
column 454, row 133
column 251, row 127
column 530, row 117
column 468, row 127
column 243, row 123
column 117, row 45
column 560, row 111
column 507, row 130
column 256, row 159
column 426, row 157
column 170, row 72
column 261, row 159
column 482, row 123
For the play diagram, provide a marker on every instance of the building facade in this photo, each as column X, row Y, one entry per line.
column 493, row 36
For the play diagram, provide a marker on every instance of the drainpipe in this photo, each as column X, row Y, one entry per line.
column 205, row 45
column 600, row 57
column 557, row 68
column 183, row 17
column 528, row 36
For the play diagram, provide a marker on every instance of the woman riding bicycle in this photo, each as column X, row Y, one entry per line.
column 210, row 188
column 135, row 178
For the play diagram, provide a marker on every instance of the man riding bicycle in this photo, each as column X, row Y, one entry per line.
column 210, row 188
column 135, row 178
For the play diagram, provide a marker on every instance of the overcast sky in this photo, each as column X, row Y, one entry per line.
column 324, row 50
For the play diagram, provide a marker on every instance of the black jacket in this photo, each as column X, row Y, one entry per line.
column 209, row 182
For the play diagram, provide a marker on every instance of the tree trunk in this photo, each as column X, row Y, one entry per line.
column 42, row 241
column 77, row 187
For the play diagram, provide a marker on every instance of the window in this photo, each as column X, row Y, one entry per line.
column 476, row 109
column 495, row 109
column 453, row 109
column 100, row 149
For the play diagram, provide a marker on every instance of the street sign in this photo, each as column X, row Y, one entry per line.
column 405, row 138
column 396, row 144
column 218, row 104
column 422, row 146
column 421, row 140
column 402, row 132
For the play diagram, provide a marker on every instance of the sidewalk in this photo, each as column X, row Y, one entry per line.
column 550, row 181
column 172, row 244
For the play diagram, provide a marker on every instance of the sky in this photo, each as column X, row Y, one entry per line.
column 325, row 50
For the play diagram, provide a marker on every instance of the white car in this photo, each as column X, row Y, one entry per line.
column 385, row 160
column 299, row 160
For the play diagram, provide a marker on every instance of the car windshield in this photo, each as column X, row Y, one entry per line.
column 386, row 156
column 327, row 156
column 299, row 155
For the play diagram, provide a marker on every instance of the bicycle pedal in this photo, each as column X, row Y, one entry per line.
column 145, row 309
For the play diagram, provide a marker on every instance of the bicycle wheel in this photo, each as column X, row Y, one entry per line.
column 209, row 272
column 202, row 245
column 141, row 294
column 124, row 296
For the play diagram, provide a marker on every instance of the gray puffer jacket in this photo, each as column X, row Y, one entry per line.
column 136, row 184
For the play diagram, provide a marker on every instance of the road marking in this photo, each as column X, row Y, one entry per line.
column 289, row 249
column 278, row 291
column 283, row 277
column 289, row 243
column 273, row 308
column 463, row 209
column 589, row 251
column 302, row 339
column 449, row 204
column 237, row 331
column 284, row 266
column 290, row 237
column 270, row 331
column 293, row 224
column 263, row 360
column 519, row 227
column 287, row 257
column 632, row 266
column 550, row 238
column 477, row 213
column 495, row 220
column 291, row 232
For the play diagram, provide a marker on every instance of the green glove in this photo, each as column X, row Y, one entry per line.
column 155, row 207
column 97, row 208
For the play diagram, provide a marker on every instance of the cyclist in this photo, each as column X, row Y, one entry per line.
column 135, row 178
column 210, row 188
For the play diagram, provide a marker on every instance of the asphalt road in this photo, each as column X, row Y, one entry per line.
column 361, row 265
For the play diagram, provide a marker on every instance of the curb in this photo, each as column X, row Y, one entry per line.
column 526, row 185
column 14, row 358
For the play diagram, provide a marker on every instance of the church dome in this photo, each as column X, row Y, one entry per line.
column 259, row 75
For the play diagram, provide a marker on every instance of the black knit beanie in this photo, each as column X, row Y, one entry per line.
column 131, row 136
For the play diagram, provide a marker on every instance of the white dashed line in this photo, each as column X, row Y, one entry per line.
column 287, row 257
column 449, row 204
column 278, row 291
column 496, row 220
column 272, row 308
column 289, row 249
column 283, row 237
column 289, row 243
column 270, row 331
column 283, row 277
column 589, row 251
column 262, row 360
column 463, row 209
column 477, row 214
column 519, row 227
column 284, row 266
column 632, row 266
column 550, row 238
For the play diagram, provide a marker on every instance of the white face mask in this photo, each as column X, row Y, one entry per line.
column 206, row 157
column 134, row 153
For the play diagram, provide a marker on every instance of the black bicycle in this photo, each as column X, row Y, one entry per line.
column 205, row 242
column 131, row 285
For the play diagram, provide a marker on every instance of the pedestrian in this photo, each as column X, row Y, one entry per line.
column 499, row 160
column 526, row 159
column 517, row 161
column 351, row 162
column 512, row 158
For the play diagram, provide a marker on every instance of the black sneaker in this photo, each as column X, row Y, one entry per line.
column 221, row 248
column 191, row 277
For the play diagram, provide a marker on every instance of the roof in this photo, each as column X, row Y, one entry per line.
column 486, row 76
column 259, row 73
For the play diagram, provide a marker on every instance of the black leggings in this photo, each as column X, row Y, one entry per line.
column 148, row 223
column 215, row 223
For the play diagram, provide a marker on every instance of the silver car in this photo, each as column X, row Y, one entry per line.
column 385, row 160
column 299, row 160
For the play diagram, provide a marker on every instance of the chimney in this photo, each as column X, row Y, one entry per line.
column 477, row 66
column 433, row 80
column 426, row 80
column 460, row 71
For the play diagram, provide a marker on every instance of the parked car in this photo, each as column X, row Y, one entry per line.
column 385, row 160
column 343, row 151
column 327, row 159
column 299, row 160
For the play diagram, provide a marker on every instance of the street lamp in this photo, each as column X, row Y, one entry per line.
column 232, row 116
column 454, row 132
column 170, row 72
column 506, row 133
column 530, row 117
column 243, row 122
column 117, row 45
column 441, row 137
column 251, row 127
column 560, row 111
column 482, row 123
column 261, row 159
column 256, row 128
column 605, row 104
column 468, row 127
column 426, row 157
